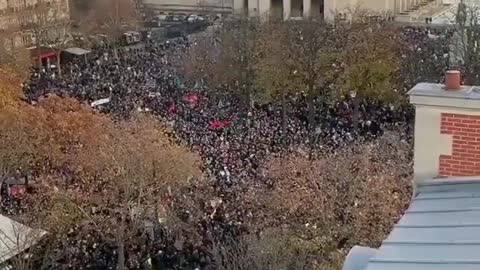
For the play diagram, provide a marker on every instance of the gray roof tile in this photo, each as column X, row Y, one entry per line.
column 439, row 231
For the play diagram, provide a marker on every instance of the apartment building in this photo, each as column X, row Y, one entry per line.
column 21, row 21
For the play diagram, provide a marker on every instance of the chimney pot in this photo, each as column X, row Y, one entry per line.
column 452, row 80
column 447, row 143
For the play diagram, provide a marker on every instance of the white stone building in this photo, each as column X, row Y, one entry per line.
column 285, row 8
column 187, row 6
column 404, row 10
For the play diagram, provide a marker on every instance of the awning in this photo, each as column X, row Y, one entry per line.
column 16, row 237
column 77, row 51
column 100, row 102
column 44, row 53
column 48, row 55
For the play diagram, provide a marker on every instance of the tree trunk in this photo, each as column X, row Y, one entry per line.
column 121, row 256
column 356, row 112
column 59, row 68
column 311, row 112
column 115, row 52
column 121, row 242
column 284, row 118
column 2, row 180
column 39, row 53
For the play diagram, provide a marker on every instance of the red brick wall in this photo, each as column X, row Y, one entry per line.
column 465, row 158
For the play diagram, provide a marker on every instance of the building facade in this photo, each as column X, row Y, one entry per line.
column 21, row 21
column 186, row 7
column 279, row 8
column 328, row 9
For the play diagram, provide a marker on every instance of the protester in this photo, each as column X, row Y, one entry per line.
column 232, row 140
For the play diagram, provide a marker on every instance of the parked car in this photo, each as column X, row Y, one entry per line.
column 132, row 37
column 195, row 18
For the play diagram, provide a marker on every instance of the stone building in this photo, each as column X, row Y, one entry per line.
column 278, row 8
column 403, row 10
column 21, row 19
column 187, row 7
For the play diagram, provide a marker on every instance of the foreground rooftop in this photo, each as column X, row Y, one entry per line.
column 439, row 231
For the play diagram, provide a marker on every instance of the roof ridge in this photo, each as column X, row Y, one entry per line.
column 449, row 181
column 427, row 243
column 446, row 210
column 392, row 260
column 465, row 225
column 471, row 195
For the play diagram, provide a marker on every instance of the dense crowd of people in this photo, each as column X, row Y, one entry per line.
column 232, row 139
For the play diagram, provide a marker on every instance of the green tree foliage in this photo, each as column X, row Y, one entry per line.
column 316, row 53
column 275, row 74
column 227, row 59
column 370, row 63
column 300, row 58
column 239, row 56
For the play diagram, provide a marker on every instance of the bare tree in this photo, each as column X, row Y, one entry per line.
column 112, row 18
column 17, row 240
column 48, row 21
column 273, row 249
column 238, row 57
column 135, row 170
column 331, row 202
column 465, row 50
column 13, row 54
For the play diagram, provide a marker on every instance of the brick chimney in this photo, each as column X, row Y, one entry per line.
column 447, row 130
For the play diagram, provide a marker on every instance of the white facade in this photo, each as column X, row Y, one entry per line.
column 187, row 6
column 328, row 8
column 279, row 8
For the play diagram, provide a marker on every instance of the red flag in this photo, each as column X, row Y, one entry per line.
column 17, row 191
column 219, row 124
column 172, row 109
column 191, row 99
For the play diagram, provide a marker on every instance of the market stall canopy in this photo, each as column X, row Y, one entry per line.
column 77, row 51
column 100, row 102
column 16, row 238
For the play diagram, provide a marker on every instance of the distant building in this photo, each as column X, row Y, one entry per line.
column 18, row 18
column 186, row 7
column 36, row 25
column 402, row 10
column 280, row 8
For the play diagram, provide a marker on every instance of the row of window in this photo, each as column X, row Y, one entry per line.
column 19, row 5
column 25, row 39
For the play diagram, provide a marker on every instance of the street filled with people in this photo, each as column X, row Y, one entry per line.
column 233, row 140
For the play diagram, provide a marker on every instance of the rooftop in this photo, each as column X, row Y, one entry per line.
column 435, row 94
column 440, row 230
column 77, row 51
column 15, row 238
